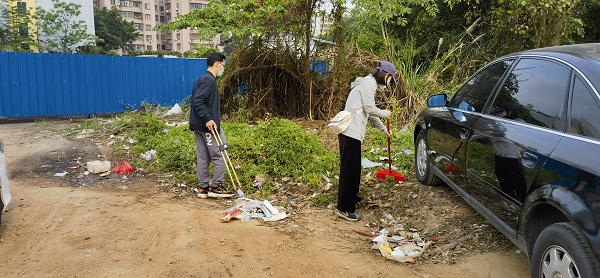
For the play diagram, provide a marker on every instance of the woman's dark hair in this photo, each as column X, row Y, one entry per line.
column 379, row 75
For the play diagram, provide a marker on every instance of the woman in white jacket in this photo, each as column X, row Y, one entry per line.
column 362, row 96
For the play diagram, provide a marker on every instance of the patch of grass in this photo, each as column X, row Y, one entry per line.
column 41, row 123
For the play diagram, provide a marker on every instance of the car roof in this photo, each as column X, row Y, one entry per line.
column 585, row 57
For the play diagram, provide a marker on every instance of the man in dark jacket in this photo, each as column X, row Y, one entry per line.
column 205, row 119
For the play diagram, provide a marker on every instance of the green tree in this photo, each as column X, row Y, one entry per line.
column 287, row 23
column 62, row 33
column 200, row 51
column 112, row 29
column 17, row 28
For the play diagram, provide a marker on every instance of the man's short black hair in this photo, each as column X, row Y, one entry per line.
column 214, row 57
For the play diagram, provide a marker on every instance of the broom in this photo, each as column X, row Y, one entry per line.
column 389, row 174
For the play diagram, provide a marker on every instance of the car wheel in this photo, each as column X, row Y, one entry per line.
column 422, row 164
column 560, row 251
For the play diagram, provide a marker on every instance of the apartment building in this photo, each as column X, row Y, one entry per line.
column 146, row 14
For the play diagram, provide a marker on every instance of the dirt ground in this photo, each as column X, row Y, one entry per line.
column 92, row 227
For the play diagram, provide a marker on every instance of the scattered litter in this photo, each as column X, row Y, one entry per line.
column 246, row 209
column 368, row 174
column 372, row 150
column 60, row 174
column 325, row 178
column 123, row 187
column 98, row 166
column 132, row 141
column 86, row 173
column 313, row 195
column 111, row 136
column 407, row 152
column 183, row 185
column 366, row 163
column 73, row 167
column 175, row 110
column 105, row 174
column 176, row 124
column 295, row 226
column 518, row 251
column 327, row 186
column 110, row 143
column 383, row 158
column 123, row 168
column 364, row 233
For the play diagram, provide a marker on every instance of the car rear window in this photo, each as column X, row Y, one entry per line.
column 585, row 111
column 474, row 93
column 534, row 92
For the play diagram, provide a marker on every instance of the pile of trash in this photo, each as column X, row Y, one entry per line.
column 402, row 247
column 246, row 209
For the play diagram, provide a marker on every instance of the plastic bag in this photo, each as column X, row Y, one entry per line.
column 123, row 168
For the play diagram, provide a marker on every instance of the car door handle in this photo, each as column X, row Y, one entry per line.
column 464, row 134
column 528, row 159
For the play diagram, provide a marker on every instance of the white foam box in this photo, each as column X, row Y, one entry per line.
column 98, row 166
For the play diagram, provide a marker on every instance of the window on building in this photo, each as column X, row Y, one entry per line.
column 163, row 47
column 155, row 7
column 178, row 46
column 149, row 38
column 168, row 16
column 168, row 6
column 138, row 15
column 147, row 5
column 140, row 37
column 139, row 47
column 148, row 27
column 126, row 14
column 158, row 47
column 162, row 37
column 177, row 6
column 156, row 17
column 193, row 36
column 21, row 8
column 137, row 4
column 149, row 47
column 168, row 36
column 112, row 2
column 157, row 39
column 124, row 3
column 147, row 16
column 169, row 46
column 162, row 8
column 195, row 6
column 178, row 36
column 23, row 30
column 162, row 18
column 139, row 26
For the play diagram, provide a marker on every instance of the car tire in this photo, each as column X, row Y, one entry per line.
column 561, row 249
column 423, row 166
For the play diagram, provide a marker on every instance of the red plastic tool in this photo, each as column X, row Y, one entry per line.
column 389, row 174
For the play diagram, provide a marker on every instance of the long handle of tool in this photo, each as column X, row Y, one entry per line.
column 228, row 160
column 224, row 160
column 389, row 146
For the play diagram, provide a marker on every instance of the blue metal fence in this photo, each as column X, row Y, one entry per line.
column 33, row 84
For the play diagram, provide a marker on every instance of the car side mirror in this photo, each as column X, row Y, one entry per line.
column 437, row 100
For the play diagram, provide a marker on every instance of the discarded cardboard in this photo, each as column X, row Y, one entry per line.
column 98, row 166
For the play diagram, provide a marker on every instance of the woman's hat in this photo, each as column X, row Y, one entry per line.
column 389, row 68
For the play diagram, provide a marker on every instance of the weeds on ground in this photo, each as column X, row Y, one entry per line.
column 41, row 123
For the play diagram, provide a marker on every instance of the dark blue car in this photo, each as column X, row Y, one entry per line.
column 520, row 141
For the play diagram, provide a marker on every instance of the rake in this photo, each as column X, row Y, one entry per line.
column 389, row 174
